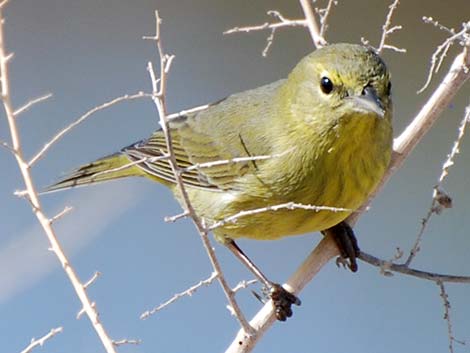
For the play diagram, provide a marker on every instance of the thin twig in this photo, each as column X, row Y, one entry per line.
column 40, row 342
column 387, row 30
column 129, row 165
column 126, row 341
column 324, row 13
column 30, row 104
column 317, row 38
column 232, row 160
column 272, row 26
column 446, row 304
column 187, row 293
column 283, row 22
column 185, row 112
column 159, row 90
column 440, row 199
column 283, row 206
column 82, row 118
column 32, row 197
column 243, row 284
column 172, row 219
column 61, row 214
column 92, row 279
column 406, row 270
column 441, row 51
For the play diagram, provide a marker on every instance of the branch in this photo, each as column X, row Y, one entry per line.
column 288, row 205
column 317, row 38
column 159, row 90
column 283, row 22
column 126, row 341
column 324, row 13
column 30, row 104
column 403, row 145
column 440, row 199
column 81, row 119
column 187, row 293
column 440, row 53
column 387, row 30
column 40, row 342
column 387, row 266
column 36, row 205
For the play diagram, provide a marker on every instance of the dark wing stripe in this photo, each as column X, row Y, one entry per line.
column 155, row 147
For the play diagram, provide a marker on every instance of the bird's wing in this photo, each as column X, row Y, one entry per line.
column 231, row 128
column 193, row 150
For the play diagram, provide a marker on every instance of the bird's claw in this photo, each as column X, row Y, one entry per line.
column 282, row 301
column 347, row 244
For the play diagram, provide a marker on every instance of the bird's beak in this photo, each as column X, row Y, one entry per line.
column 368, row 103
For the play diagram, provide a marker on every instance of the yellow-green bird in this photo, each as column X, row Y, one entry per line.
column 327, row 128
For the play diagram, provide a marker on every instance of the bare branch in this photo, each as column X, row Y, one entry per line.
column 40, row 342
column 129, row 165
column 312, row 24
column 272, row 26
column 440, row 199
column 126, row 341
column 159, row 90
column 61, row 214
column 173, row 219
column 187, row 293
column 3, row 3
column 387, row 30
column 33, row 198
column 446, row 304
column 244, row 284
column 287, row 205
column 233, row 160
column 92, row 279
column 404, row 269
column 29, row 104
column 81, row 119
column 323, row 14
column 463, row 37
column 187, row 111
column 282, row 22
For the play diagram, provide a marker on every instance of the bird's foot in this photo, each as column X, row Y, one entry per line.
column 347, row 244
column 282, row 301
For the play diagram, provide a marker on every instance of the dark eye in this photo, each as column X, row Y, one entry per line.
column 326, row 85
column 389, row 88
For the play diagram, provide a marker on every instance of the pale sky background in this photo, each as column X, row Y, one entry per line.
column 88, row 52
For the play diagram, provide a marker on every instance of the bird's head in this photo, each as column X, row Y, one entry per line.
column 338, row 81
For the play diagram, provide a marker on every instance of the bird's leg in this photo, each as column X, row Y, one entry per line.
column 347, row 243
column 281, row 298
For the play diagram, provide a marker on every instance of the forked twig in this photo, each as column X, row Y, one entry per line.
column 159, row 89
column 32, row 197
column 40, row 341
column 440, row 199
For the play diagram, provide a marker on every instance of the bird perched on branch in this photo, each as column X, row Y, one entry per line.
column 325, row 137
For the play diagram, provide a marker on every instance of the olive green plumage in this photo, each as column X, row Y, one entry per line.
column 327, row 126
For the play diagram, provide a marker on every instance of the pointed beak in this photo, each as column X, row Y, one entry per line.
column 368, row 102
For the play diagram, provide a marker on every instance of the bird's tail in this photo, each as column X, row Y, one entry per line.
column 108, row 168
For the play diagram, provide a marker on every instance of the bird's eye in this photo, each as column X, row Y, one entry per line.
column 326, row 85
column 389, row 88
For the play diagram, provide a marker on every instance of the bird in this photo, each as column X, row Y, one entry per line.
column 322, row 136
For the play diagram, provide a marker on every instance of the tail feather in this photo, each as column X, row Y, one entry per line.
column 108, row 168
